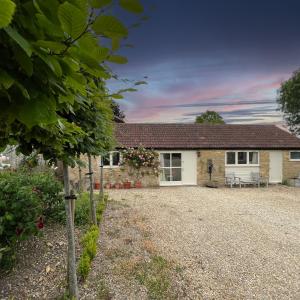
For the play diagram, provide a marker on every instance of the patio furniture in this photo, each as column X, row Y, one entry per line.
column 232, row 180
column 256, row 178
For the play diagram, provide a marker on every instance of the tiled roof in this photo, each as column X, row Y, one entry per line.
column 199, row 136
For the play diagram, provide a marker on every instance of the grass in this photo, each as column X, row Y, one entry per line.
column 103, row 291
column 155, row 276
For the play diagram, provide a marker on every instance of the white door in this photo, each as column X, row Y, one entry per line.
column 178, row 168
column 275, row 168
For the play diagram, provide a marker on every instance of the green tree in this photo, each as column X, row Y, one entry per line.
column 289, row 102
column 119, row 115
column 52, row 69
column 209, row 117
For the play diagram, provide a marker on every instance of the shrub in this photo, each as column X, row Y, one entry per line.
column 23, row 201
column 84, row 265
column 140, row 161
column 82, row 212
column 89, row 243
column 20, row 210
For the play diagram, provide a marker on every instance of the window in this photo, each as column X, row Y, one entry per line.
column 295, row 155
column 112, row 159
column 242, row 158
column 171, row 167
column 230, row 158
column 253, row 158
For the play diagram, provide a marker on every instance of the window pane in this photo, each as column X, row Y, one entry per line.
column 106, row 160
column 165, row 175
column 165, row 159
column 176, row 173
column 115, row 158
column 253, row 158
column 176, row 159
column 230, row 158
column 242, row 158
column 295, row 155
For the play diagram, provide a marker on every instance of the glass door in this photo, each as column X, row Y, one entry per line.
column 171, row 167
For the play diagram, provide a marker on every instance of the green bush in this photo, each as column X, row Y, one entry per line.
column 101, row 207
column 89, row 243
column 84, row 265
column 23, row 201
column 82, row 211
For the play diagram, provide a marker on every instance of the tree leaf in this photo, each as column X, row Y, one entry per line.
column 72, row 19
column 51, row 45
column 6, row 12
column 19, row 40
column 115, row 44
column 52, row 63
column 140, row 82
column 23, row 60
column 133, row 6
column 50, row 28
column 99, row 3
column 117, row 96
column 37, row 112
column 110, row 26
column 5, row 79
column 117, row 59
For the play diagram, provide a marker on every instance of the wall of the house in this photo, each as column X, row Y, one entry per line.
column 290, row 168
column 218, row 159
column 113, row 175
column 110, row 175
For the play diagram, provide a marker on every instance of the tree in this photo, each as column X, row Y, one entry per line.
column 52, row 69
column 119, row 115
column 289, row 102
column 209, row 117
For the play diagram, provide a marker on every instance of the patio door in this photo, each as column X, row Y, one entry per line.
column 171, row 168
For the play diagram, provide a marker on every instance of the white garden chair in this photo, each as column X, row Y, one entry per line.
column 231, row 180
column 258, row 179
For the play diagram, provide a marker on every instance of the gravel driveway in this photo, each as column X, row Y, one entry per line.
column 230, row 243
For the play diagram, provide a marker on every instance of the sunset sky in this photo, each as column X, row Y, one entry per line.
column 228, row 56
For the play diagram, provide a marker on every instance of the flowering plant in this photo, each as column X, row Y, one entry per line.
column 141, row 161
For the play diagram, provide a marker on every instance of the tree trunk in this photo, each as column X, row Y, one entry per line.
column 80, row 181
column 101, row 178
column 92, row 202
column 72, row 276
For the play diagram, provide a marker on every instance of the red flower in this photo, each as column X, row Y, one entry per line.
column 19, row 231
column 40, row 223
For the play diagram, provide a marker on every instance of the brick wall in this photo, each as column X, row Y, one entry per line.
column 264, row 162
column 290, row 168
column 218, row 159
column 110, row 175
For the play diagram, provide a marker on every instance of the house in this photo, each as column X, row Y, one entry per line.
column 185, row 151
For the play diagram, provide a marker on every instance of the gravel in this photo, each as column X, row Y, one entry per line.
column 40, row 270
column 219, row 244
column 229, row 243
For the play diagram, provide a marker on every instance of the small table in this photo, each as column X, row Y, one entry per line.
column 245, row 183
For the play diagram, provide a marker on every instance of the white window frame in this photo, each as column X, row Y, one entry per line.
column 111, row 160
column 171, row 167
column 293, row 159
column 236, row 159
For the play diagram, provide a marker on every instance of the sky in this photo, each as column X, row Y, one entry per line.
column 228, row 56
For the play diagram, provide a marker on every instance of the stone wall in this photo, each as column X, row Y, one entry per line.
column 290, row 168
column 110, row 175
column 218, row 159
column 264, row 163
